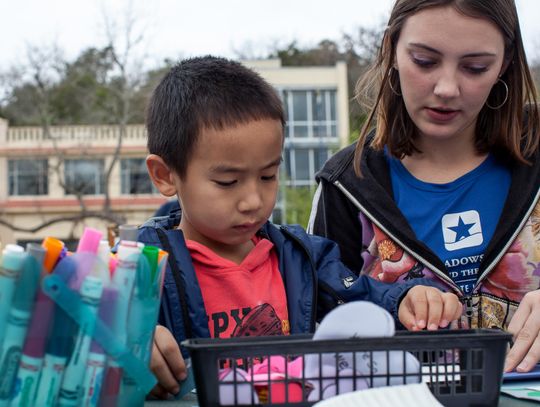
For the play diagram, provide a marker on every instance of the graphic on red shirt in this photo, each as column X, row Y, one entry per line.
column 246, row 299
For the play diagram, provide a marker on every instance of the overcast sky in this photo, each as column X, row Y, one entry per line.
column 180, row 28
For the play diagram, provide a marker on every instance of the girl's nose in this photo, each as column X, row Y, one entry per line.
column 447, row 86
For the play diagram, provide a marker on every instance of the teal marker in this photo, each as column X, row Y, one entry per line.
column 12, row 262
column 71, row 391
column 17, row 325
column 142, row 317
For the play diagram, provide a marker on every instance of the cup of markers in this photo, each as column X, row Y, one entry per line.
column 76, row 329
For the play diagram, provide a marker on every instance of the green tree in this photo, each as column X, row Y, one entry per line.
column 298, row 204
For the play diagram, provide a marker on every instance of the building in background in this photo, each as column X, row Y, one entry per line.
column 41, row 173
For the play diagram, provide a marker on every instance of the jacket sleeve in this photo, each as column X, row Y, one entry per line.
column 337, row 284
column 335, row 217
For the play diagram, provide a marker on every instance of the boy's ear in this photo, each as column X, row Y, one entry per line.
column 161, row 175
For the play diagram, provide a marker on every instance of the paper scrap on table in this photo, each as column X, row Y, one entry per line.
column 409, row 395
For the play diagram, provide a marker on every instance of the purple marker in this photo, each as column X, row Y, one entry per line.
column 59, row 344
column 86, row 255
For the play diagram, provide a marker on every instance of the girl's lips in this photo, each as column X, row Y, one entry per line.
column 441, row 115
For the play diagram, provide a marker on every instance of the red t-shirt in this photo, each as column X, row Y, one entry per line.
column 246, row 299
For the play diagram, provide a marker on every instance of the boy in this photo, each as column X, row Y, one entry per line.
column 215, row 137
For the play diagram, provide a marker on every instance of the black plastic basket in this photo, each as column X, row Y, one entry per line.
column 461, row 368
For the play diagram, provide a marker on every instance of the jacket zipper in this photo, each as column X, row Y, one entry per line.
column 314, row 275
column 503, row 251
column 426, row 263
column 465, row 299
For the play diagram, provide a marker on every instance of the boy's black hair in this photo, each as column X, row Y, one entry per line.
column 204, row 92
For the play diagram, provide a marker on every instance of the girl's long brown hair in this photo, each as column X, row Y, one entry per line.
column 513, row 129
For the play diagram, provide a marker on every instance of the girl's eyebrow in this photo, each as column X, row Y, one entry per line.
column 436, row 51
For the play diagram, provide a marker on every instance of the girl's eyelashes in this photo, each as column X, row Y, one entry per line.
column 423, row 62
column 476, row 70
column 429, row 63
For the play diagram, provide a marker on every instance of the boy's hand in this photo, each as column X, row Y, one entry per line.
column 428, row 307
column 167, row 364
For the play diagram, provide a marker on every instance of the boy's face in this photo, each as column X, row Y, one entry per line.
column 231, row 184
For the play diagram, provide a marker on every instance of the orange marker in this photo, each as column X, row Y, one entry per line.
column 54, row 248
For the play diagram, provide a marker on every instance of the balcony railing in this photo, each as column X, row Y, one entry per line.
column 135, row 133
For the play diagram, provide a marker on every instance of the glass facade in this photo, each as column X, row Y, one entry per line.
column 311, row 114
column 28, row 177
column 310, row 134
column 135, row 178
column 83, row 176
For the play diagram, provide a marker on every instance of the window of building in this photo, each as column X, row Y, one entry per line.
column 84, row 177
column 310, row 113
column 301, row 164
column 135, row 178
column 28, row 177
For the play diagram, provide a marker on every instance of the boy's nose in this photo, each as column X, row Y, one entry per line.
column 250, row 201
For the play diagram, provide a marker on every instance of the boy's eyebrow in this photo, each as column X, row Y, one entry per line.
column 436, row 51
column 225, row 168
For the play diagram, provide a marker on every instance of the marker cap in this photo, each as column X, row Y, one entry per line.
column 13, row 248
column 13, row 260
column 37, row 252
column 23, row 298
column 54, row 248
column 89, row 241
column 128, row 233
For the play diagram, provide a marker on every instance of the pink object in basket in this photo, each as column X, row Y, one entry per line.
column 278, row 380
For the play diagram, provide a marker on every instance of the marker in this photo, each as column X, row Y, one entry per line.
column 160, row 278
column 12, row 263
column 59, row 345
column 17, row 325
column 87, row 250
column 124, row 280
column 89, row 241
column 37, row 252
column 95, row 365
column 54, row 249
column 71, row 303
column 128, row 233
column 70, row 391
column 34, row 346
column 152, row 255
column 141, row 321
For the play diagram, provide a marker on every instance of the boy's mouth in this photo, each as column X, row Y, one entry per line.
column 247, row 226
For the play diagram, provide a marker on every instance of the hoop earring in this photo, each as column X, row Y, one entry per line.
column 505, row 96
column 390, row 81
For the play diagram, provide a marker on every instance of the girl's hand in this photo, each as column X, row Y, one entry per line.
column 525, row 326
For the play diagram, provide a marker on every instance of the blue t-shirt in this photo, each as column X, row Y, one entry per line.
column 457, row 219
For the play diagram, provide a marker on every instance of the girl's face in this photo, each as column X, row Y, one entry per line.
column 447, row 64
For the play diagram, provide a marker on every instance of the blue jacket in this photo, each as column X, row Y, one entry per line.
column 315, row 279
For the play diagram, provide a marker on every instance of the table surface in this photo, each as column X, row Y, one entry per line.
column 191, row 401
